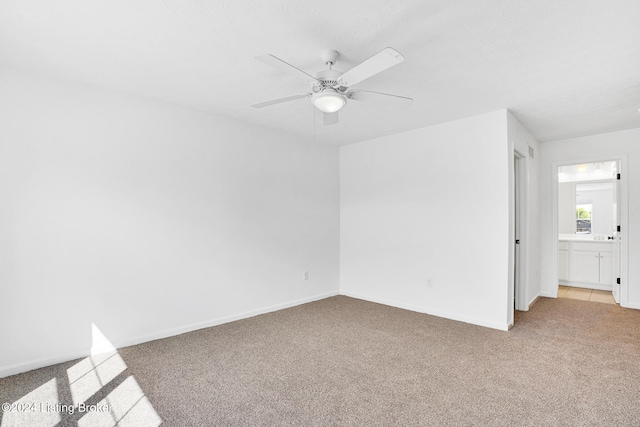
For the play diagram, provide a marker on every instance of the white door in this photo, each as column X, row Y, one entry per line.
column 615, row 262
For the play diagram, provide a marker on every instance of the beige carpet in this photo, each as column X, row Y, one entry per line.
column 346, row 362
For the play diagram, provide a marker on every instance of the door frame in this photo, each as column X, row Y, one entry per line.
column 521, row 187
column 518, row 286
column 623, row 206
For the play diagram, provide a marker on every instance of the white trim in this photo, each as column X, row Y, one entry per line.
column 624, row 234
column 525, row 241
column 533, row 300
column 511, row 233
column 466, row 319
column 596, row 286
column 623, row 160
column 18, row 368
column 523, row 227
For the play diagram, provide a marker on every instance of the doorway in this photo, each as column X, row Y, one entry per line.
column 518, row 248
column 517, row 261
column 589, row 230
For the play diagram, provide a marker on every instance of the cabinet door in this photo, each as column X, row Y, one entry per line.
column 563, row 264
column 606, row 268
column 586, row 267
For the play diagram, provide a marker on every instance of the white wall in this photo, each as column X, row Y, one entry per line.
column 149, row 220
column 432, row 203
column 520, row 140
column 567, row 208
column 583, row 150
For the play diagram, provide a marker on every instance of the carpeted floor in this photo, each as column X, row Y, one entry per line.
column 346, row 362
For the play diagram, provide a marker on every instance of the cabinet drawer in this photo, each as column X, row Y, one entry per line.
column 598, row 247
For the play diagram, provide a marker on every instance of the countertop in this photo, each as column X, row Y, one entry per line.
column 582, row 238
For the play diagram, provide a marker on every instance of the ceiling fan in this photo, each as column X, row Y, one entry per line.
column 332, row 88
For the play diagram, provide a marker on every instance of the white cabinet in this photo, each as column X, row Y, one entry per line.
column 563, row 260
column 606, row 268
column 586, row 264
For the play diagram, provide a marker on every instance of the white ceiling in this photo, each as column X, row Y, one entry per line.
column 565, row 68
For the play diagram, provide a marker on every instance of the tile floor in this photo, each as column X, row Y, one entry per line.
column 585, row 294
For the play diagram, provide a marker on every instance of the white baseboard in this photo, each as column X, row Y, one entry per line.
column 596, row 286
column 219, row 321
column 18, row 368
column 635, row 306
column 438, row 313
column 533, row 301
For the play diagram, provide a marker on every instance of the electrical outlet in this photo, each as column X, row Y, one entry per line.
column 306, row 275
column 429, row 283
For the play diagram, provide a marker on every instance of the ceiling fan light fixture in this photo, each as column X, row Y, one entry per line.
column 329, row 100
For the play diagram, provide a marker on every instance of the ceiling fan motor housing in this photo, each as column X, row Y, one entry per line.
column 327, row 78
column 327, row 97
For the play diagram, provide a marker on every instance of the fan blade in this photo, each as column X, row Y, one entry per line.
column 379, row 62
column 284, row 66
column 279, row 100
column 393, row 101
column 330, row 118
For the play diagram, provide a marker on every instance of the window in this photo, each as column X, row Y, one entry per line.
column 583, row 218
